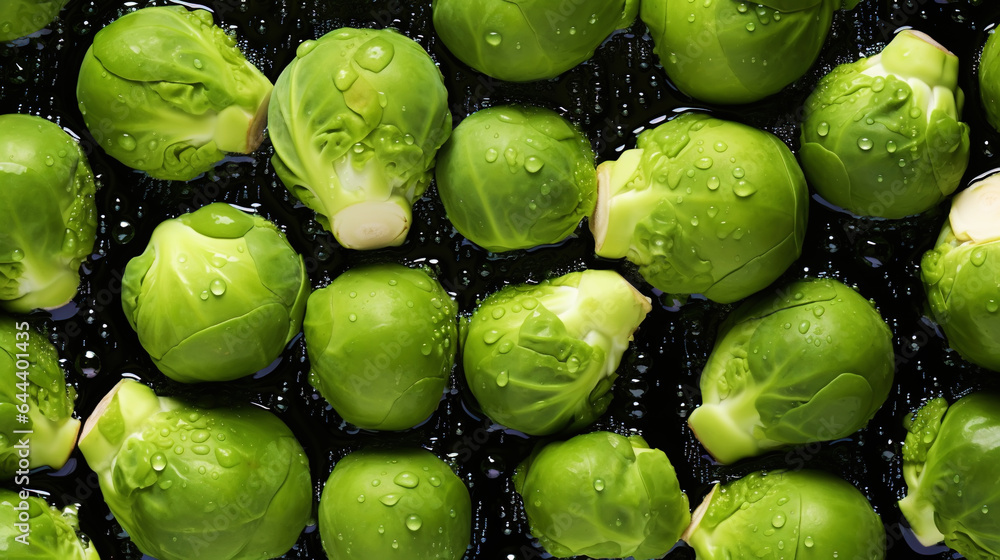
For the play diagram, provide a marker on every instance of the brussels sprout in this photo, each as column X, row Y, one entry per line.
column 23, row 17
column 189, row 482
column 810, row 514
column 357, row 143
column 48, row 213
column 604, row 496
column 989, row 79
column 812, row 362
column 881, row 136
column 383, row 503
column 381, row 341
column 722, row 52
column 516, row 177
column 703, row 206
column 521, row 40
column 34, row 398
column 950, row 459
column 965, row 299
column 166, row 91
column 542, row 358
column 216, row 295
column 31, row 529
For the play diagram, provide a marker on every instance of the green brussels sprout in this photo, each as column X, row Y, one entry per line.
column 989, row 79
column 881, row 136
column 23, row 17
column 48, row 214
column 809, row 514
column 703, row 206
column 216, row 295
column 34, row 398
column 604, row 496
column 950, row 459
column 811, row 362
column 522, row 40
column 185, row 482
column 31, row 529
column 516, row 177
column 723, row 52
column 381, row 341
column 357, row 143
column 965, row 299
column 541, row 358
column 165, row 91
column 383, row 503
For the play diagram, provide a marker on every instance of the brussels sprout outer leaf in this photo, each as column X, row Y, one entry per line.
column 357, row 145
column 805, row 513
column 52, row 534
column 168, row 469
column 604, row 496
column 381, row 341
column 949, row 464
column 50, row 401
column 166, row 91
column 738, row 229
column 380, row 503
column 541, row 359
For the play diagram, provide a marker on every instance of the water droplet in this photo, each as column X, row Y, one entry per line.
column 361, row 498
column 599, row 485
column 533, row 164
column 890, row 146
column 381, row 529
column 218, row 286
column 744, row 189
column 823, row 128
column 158, row 462
column 492, row 336
column 690, row 18
column 352, row 317
column 390, row 499
column 978, row 257
column 502, row 379
column 992, row 306
column 804, row 327
column 491, row 155
column 865, row 144
column 407, row 480
column 413, row 522
column 750, row 26
column 738, row 172
column 778, row 520
column 494, row 38
column 127, row 143
column 498, row 313
column 818, row 312
column 198, row 64
column 203, row 295
column 713, row 183
column 808, row 541
column 435, row 481
column 741, row 8
column 704, row 163
column 986, row 509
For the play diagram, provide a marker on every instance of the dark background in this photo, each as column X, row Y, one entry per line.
column 612, row 98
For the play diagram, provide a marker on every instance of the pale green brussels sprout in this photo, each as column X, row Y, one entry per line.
column 23, row 17
column 48, row 214
column 525, row 40
column 541, row 358
column 881, row 136
column 703, row 205
column 187, row 482
column 950, row 459
column 394, row 503
column 166, row 91
column 381, row 341
column 356, row 121
column 602, row 495
column 516, row 177
column 730, row 51
column 216, row 295
column 960, row 272
column 34, row 398
column 31, row 529
column 808, row 514
column 811, row 362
